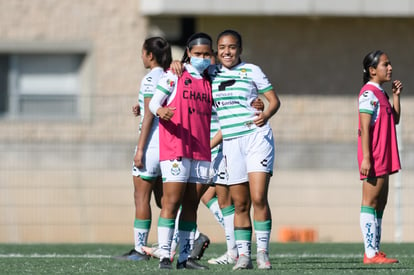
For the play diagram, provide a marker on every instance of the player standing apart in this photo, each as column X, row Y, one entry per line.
column 248, row 145
column 377, row 149
column 156, row 56
column 184, row 107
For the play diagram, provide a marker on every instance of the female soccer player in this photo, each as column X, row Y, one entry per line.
column 184, row 106
column 248, row 145
column 377, row 149
column 156, row 56
column 219, row 198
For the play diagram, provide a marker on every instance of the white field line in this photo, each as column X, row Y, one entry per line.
column 98, row 256
column 308, row 255
column 328, row 256
column 332, row 256
column 70, row 256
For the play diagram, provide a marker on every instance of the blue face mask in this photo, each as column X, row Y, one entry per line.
column 200, row 63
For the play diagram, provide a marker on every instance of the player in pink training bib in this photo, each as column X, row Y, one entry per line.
column 183, row 104
column 377, row 149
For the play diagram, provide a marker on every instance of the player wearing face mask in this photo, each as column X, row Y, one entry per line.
column 184, row 106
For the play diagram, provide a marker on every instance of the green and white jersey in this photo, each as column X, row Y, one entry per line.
column 147, row 90
column 214, row 128
column 233, row 91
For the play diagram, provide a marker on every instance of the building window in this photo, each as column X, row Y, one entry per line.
column 176, row 30
column 40, row 85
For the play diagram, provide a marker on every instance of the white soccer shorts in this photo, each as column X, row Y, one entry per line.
column 185, row 170
column 251, row 153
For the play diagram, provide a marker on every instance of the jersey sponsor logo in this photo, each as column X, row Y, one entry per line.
column 224, row 94
column 219, row 104
column 264, row 162
column 197, row 96
column 193, row 110
column 149, row 79
column 374, row 103
column 225, row 84
column 187, row 81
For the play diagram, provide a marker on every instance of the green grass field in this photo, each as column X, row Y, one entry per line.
column 291, row 258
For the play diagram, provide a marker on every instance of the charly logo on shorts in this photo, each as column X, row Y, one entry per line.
column 175, row 169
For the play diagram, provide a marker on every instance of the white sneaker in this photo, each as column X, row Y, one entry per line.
column 153, row 251
column 226, row 258
column 244, row 262
column 262, row 260
column 156, row 252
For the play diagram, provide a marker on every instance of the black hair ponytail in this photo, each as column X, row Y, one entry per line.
column 370, row 60
column 161, row 50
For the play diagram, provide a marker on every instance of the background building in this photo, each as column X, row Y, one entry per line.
column 70, row 72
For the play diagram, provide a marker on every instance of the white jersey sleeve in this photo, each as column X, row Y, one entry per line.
column 147, row 88
column 260, row 79
column 367, row 102
column 165, row 90
column 150, row 81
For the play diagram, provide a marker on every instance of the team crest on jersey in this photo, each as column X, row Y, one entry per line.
column 374, row 103
column 243, row 73
column 175, row 169
column 170, row 82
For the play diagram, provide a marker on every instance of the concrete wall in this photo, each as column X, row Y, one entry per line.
column 69, row 181
column 50, row 171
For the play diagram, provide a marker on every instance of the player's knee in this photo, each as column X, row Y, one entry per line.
column 241, row 207
column 260, row 203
